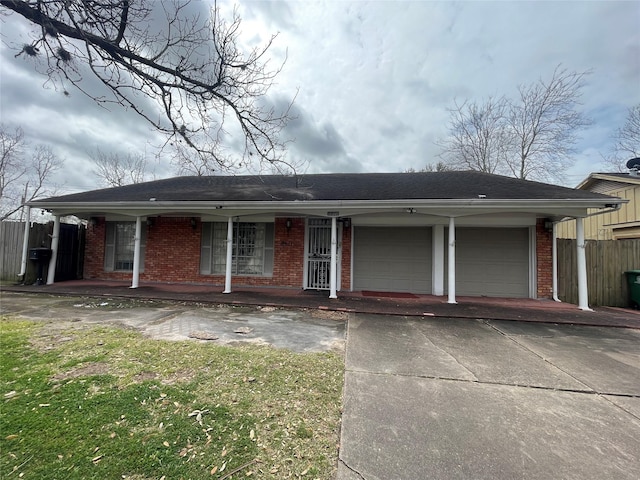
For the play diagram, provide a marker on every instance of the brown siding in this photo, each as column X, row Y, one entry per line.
column 624, row 223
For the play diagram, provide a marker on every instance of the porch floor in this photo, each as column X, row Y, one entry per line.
column 528, row 310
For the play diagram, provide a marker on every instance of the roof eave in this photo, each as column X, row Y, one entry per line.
column 587, row 182
column 231, row 208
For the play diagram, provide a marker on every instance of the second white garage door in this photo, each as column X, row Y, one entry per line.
column 392, row 259
column 492, row 262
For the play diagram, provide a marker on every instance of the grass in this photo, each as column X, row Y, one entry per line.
column 104, row 403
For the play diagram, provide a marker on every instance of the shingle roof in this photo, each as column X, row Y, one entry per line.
column 341, row 186
column 623, row 178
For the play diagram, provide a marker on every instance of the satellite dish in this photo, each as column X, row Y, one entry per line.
column 634, row 163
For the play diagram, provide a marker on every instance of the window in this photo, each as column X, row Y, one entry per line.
column 119, row 246
column 252, row 249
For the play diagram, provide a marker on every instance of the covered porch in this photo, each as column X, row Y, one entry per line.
column 390, row 303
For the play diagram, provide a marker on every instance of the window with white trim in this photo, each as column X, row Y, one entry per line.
column 252, row 249
column 120, row 245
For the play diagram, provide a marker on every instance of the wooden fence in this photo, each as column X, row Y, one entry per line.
column 607, row 260
column 70, row 249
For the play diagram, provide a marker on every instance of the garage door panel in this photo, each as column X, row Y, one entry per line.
column 392, row 259
column 492, row 262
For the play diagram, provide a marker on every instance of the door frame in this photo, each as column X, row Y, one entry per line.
column 305, row 277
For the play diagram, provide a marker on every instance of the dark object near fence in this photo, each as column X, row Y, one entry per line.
column 41, row 256
column 633, row 281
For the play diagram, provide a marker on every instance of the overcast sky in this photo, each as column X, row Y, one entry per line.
column 373, row 79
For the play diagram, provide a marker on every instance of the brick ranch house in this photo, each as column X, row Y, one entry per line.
column 438, row 233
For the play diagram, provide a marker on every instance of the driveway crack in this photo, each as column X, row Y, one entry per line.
column 427, row 339
column 546, row 360
column 587, row 391
column 351, row 469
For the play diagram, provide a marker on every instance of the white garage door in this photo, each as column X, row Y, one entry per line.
column 392, row 259
column 492, row 262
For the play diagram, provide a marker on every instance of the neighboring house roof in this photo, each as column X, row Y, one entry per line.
column 462, row 190
column 603, row 182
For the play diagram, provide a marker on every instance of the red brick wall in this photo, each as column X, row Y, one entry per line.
column 345, row 273
column 288, row 253
column 544, row 263
column 173, row 250
column 94, row 250
column 173, row 254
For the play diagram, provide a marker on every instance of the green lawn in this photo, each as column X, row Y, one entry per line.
column 106, row 403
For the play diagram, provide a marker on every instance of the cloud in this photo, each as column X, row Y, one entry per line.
column 372, row 81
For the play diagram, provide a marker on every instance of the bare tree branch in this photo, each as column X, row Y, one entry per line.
column 627, row 145
column 23, row 178
column 115, row 170
column 628, row 136
column 187, row 77
column 544, row 123
column 531, row 137
column 430, row 167
column 478, row 137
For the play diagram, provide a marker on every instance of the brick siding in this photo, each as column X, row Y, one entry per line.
column 544, row 261
column 173, row 255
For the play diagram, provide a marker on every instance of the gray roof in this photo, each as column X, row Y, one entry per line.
column 339, row 186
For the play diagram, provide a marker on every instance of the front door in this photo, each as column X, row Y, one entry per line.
column 318, row 251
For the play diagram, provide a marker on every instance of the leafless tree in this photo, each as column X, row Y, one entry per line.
column 478, row 136
column 115, row 170
column 179, row 68
column 628, row 136
column 531, row 137
column 24, row 176
column 544, row 123
column 431, row 167
column 627, row 142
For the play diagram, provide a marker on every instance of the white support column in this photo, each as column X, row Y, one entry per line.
column 437, row 272
column 451, row 270
column 333, row 272
column 583, row 291
column 51, row 274
column 554, row 261
column 137, row 239
column 25, row 243
column 227, row 271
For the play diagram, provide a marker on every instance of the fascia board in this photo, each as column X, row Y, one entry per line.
column 323, row 207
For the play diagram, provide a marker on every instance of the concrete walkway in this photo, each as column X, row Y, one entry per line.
column 295, row 330
column 460, row 399
column 520, row 309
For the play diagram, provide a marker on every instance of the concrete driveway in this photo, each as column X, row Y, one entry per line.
column 464, row 399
